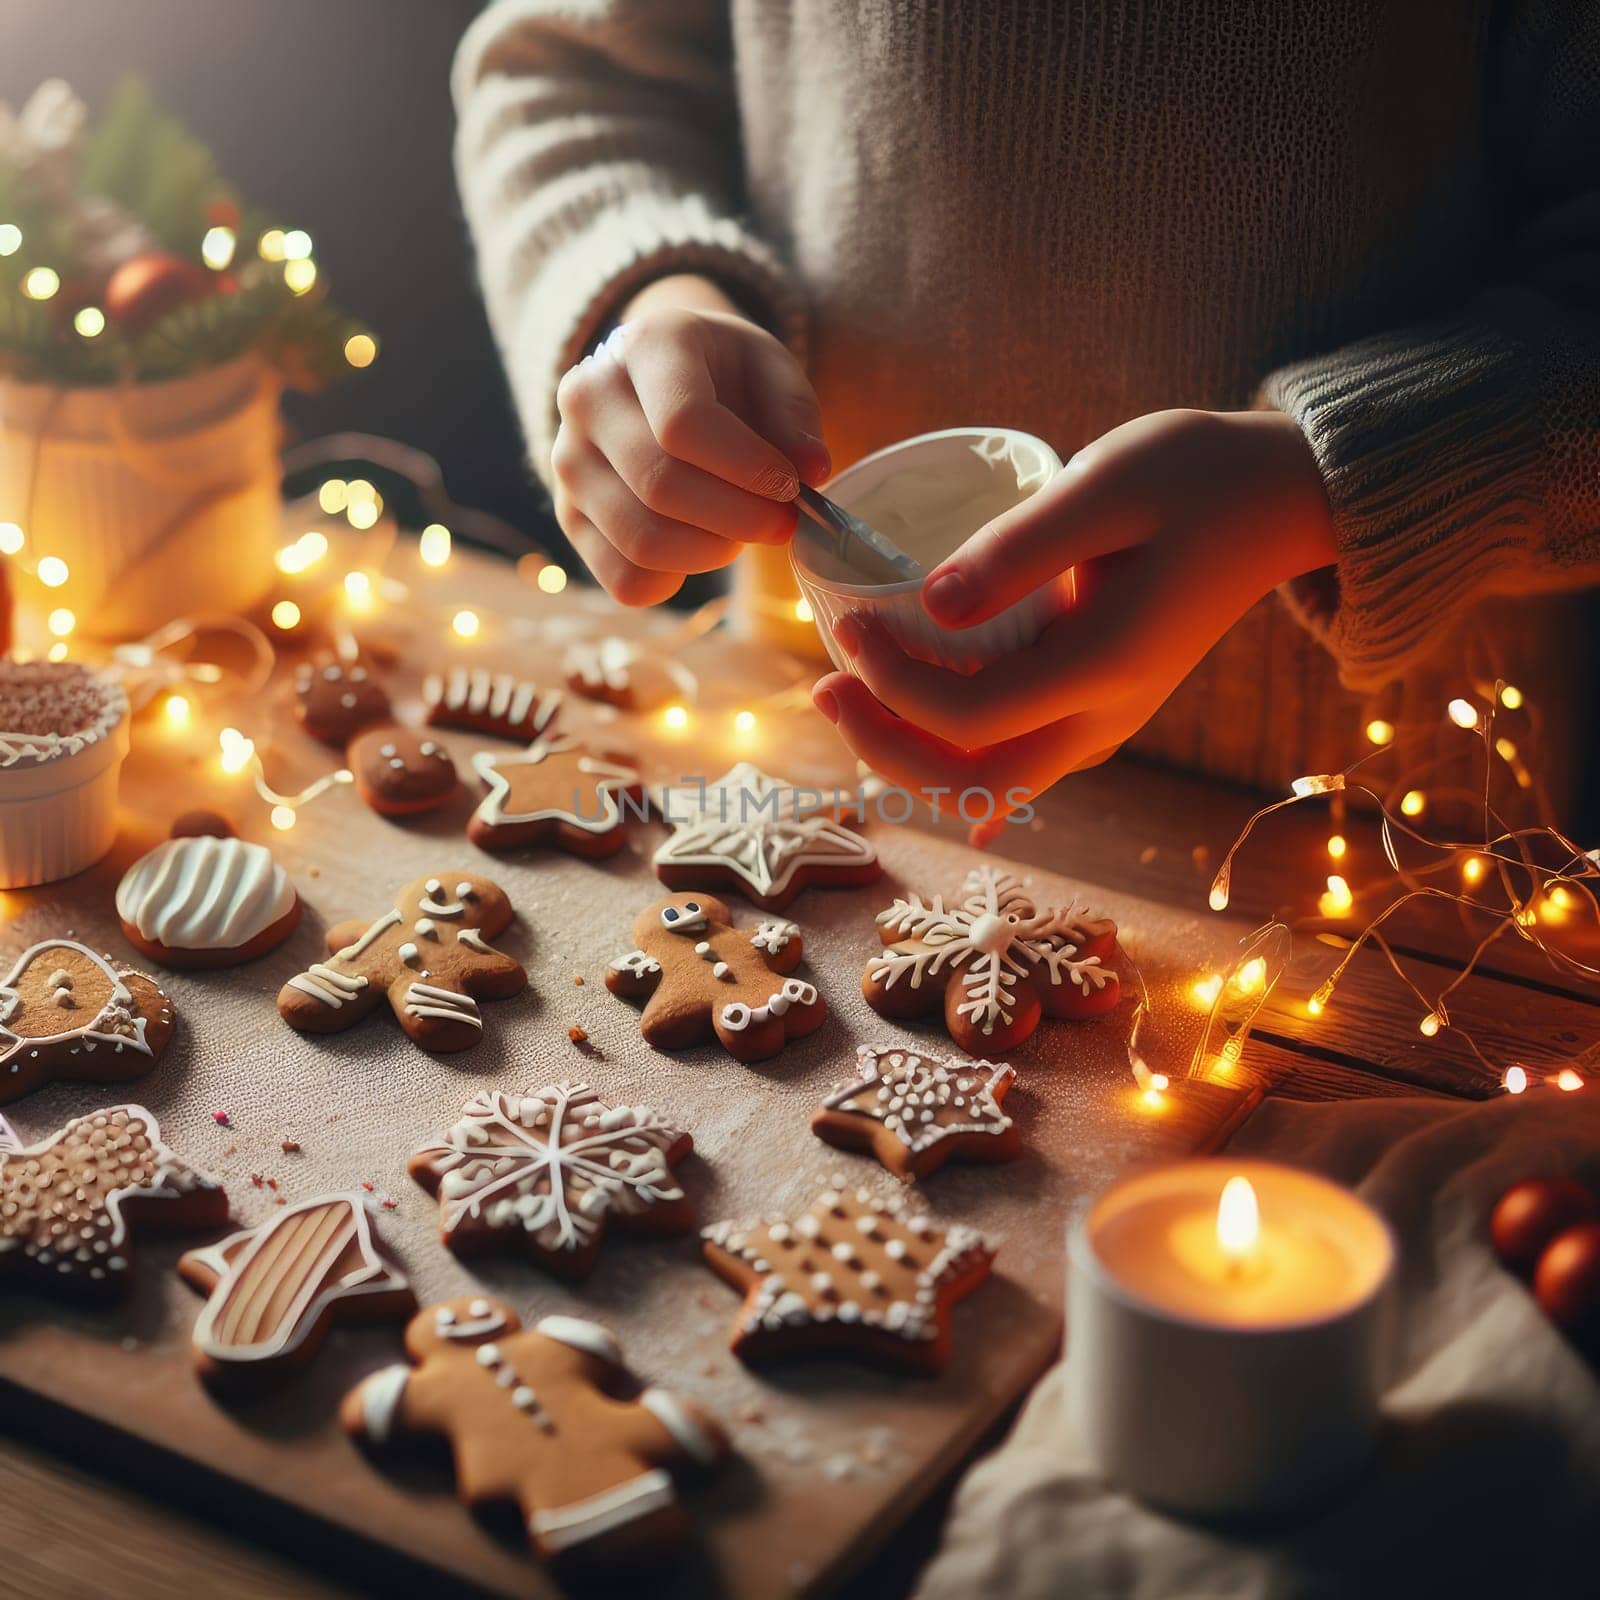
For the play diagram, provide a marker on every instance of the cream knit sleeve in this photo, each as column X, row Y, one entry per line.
column 596, row 150
column 1462, row 456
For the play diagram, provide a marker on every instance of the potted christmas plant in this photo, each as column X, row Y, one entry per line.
column 148, row 326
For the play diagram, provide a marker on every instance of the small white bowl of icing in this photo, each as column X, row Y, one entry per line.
column 930, row 494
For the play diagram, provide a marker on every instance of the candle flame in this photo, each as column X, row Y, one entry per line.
column 1238, row 1219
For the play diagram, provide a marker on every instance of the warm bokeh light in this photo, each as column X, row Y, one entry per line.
column 1472, row 868
column 286, row 615
column 61, row 622
column 676, row 716
column 361, row 349
column 282, row 817
column 1413, row 803
column 744, row 721
column 89, row 321
column 1336, row 900
column 333, row 496
column 1238, row 1219
column 10, row 238
column 177, row 710
column 300, row 276
column 433, row 545
column 1206, row 990
column 313, row 545
column 357, row 588
column 1569, row 1079
column 1510, row 696
column 465, row 624
column 363, row 514
column 1337, row 846
column 57, row 651
column 1380, row 732
column 53, row 572
column 41, row 283
column 11, row 538
column 1515, row 1080
column 802, row 611
column 552, row 579
column 297, row 245
column 270, row 245
column 1429, row 1025
column 217, row 248
column 236, row 750
column 1251, row 976
column 1463, row 713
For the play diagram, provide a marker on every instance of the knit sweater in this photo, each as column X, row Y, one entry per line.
column 1383, row 219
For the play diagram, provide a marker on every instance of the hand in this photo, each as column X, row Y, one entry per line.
column 1177, row 523
column 684, row 436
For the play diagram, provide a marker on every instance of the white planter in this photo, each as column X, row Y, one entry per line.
column 163, row 499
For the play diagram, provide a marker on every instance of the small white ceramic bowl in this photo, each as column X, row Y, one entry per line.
column 1021, row 463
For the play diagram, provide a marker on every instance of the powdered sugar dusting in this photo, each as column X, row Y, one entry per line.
column 50, row 709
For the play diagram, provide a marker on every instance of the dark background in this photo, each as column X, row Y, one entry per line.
column 334, row 115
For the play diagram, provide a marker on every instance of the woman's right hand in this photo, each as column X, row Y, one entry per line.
column 683, row 437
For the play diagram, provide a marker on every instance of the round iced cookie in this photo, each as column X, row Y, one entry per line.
column 203, row 901
column 399, row 773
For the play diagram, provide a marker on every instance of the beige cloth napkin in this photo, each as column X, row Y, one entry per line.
column 1488, row 1478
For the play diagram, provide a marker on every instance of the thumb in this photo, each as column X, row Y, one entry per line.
column 786, row 412
column 1081, row 514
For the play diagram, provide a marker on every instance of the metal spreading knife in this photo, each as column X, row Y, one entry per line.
column 856, row 543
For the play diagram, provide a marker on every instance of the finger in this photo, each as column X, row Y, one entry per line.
column 1088, row 510
column 674, row 489
column 678, row 394
column 786, row 409
column 1007, row 775
column 619, row 577
column 656, row 543
column 1075, row 664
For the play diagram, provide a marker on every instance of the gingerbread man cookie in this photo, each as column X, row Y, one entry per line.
column 533, row 1417
column 758, row 836
column 554, row 792
column 69, row 1204
column 993, row 963
column 336, row 696
column 400, row 773
column 430, row 956
column 67, row 1013
column 852, row 1275
column 274, row 1290
column 915, row 1112
column 497, row 703
column 700, row 977
column 199, row 900
column 545, row 1172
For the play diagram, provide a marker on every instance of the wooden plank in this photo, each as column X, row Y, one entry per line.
column 1290, row 1074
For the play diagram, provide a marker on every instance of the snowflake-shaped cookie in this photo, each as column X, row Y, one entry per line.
column 994, row 962
column 915, row 1112
column 760, row 836
column 549, row 1170
column 852, row 1274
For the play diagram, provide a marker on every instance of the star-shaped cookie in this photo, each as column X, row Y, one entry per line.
column 758, row 836
column 853, row 1275
column 914, row 1112
column 554, row 792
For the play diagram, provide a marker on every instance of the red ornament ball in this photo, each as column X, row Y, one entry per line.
column 1531, row 1213
column 145, row 288
column 1566, row 1283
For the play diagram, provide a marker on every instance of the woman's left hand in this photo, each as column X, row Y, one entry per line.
column 1177, row 523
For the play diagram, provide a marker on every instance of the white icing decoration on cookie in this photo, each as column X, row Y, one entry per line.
column 607, row 776
column 117, row 1023
column 408, row 952
column 583, row 1335
column 444, row 1005
column 204, row 893
column 690, row 917
column 328, row 984
column 611, row 1508
column 370, row 937
column 380, row 1401
column 739, row 1016
column 675, row 1417
column 638, row 962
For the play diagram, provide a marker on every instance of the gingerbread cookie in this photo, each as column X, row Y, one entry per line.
column 852, row 1275
column 914, row 1112
column 336, row 696
column 533, row 1418
column 430, row 956
column 399, row 773
column 700, row 978
column 546, row 1172
column 67, row 1013
column 993, row 962
column 69, row 1205
column 760, row 837
column 616, row 672
column 497, row 703
column 554, row 792
column 274, row 1290
column 204, row 901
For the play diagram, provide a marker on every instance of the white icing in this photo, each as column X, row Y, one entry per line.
column 380, row 1401
column 204, row 893
column 408, row 952
column 605, row 777
column 444, row 1005
column 370, row 937
column 739, row 1016
column 565, row 1526
column 583, row 1335
column 486, row 1321
column 116, row 1023
column 690, row 917
column 328, row 984
column 673, row 1415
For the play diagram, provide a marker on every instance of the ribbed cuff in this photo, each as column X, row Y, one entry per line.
column 1428, row 441
column 592, row 275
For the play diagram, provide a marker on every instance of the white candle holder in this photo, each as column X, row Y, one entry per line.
column 1221, row 1387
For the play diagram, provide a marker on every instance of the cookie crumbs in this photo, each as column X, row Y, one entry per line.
column 750, row 1414
column 313, row 871
column 232, row 1150
column 577, row 978
column 256, row 1179
column 272, row 1183
column 280, row 1201
column 221, row 1119
column 291, row 1147
column 1147, row 855
column 578, row 1035
column 388, row 1202
column 370, row 1188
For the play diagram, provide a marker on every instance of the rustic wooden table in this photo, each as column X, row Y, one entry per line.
column 69, row 1531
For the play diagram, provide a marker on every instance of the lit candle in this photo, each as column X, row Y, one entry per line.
column 1226, row 1324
